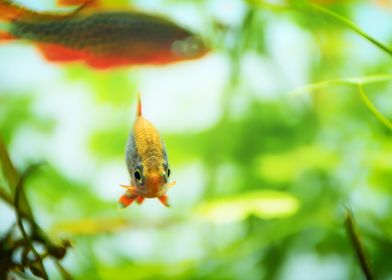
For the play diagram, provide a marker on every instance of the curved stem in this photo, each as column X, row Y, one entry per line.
column 358, row 247
column 327, row 13
column 11, row 175
column 65, row 274
column 373, row 109
column 352, row 26
column 18, row 192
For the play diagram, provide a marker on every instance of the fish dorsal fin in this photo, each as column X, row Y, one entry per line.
column 139, row 106
column 82, row 4
column 75, row 2
column 95, row 4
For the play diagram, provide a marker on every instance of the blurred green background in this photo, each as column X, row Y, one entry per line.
column 263, row 174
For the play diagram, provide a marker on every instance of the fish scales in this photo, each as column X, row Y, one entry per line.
column 147, row 163
column 148, row 142
column 110, row 29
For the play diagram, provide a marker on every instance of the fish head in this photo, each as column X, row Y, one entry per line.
column 189, row 47
column 150, row 178
column 156, row 40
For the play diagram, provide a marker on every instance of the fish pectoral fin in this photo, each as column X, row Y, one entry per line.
column 131, row 189
column 171, row 184
column 164, row 199
column 126, row 199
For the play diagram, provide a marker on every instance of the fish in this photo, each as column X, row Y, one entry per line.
column 147, row 163
column 101, row 38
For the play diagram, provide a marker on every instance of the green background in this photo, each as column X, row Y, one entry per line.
column 265, row 168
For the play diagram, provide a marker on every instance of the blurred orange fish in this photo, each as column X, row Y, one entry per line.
column 102, row 39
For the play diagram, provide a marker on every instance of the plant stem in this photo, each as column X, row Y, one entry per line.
column 356, row 242
column 314, row 7
column 11, row 175
column 373, row 109
column 65, row 274
column 18, row 192
column 352, row 26
column 9, row 171
column 4, row 196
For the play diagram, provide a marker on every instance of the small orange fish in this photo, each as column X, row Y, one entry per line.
column 102, row 39
column 147, row 163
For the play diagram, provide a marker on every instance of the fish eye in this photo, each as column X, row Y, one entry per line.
column 193, row 45
column 189, row 47
column 168, row 172
column 138, row 176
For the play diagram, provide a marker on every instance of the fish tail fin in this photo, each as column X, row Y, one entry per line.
column 4, row 36
column 10, row 11
column 139, row 105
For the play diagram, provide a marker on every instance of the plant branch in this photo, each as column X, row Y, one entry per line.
column 321, row 10
column 373, row 109
column 5, row 196
column 18, row 192
column 357, row 81
column 352, row 26
column 11, row 175
column 358, row 247
column 9, row 171
column 65, row 274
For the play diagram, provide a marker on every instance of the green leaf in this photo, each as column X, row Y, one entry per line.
column 262, row 204
column 285, row 167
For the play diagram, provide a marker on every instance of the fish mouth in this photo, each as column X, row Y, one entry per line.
column 151, row 194
column 154, row 187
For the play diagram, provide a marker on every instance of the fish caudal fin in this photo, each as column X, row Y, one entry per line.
column 4, row 27
column 10, row 11
column 139, row 106
column 5, row 36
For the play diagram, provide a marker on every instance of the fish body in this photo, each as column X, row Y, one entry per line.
column 147, row 163
column 103, row 39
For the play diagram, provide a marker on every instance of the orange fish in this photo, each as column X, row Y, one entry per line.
column 102, row 39
column 147, row 163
